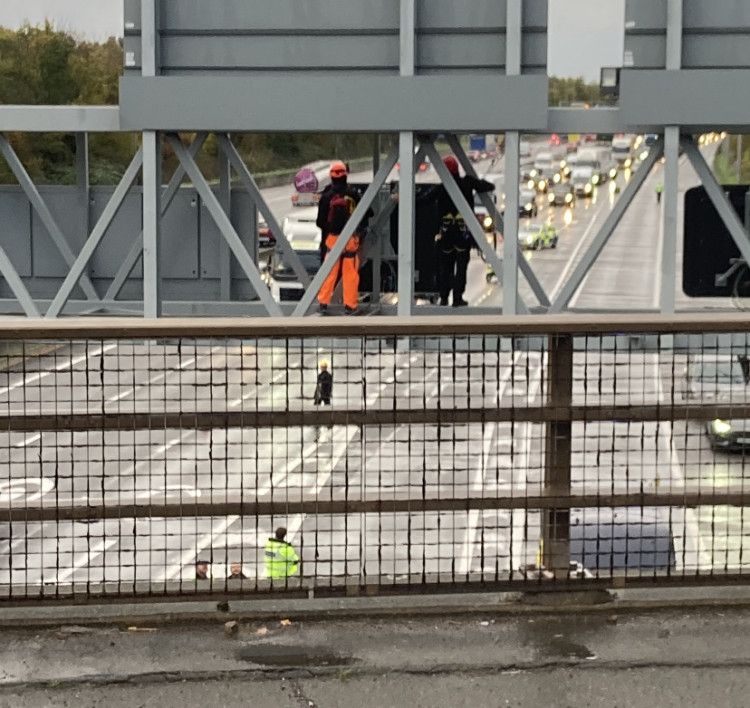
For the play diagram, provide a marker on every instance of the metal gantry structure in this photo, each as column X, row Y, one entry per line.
column 416, row 68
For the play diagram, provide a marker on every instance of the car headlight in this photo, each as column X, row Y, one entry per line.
column 588, row 189
column 644, row 155
column 533, row 173
column 542, row 184
column 721, row 427
column 568, row 198
column 551, row 197
column 557, row 178
column 595, row 179
column 487, row 222
column 612, row 173
column 529, row 207
column 530, row 184
column 628, row 162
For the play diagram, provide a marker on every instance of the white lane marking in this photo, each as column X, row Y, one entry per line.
column 164, row 375
column 85, row 560
column 466, row 554
column 32, row 488
column 520, row 520
column 693, row 548
column 32, row 378
column 28, row 441
column 572, row 261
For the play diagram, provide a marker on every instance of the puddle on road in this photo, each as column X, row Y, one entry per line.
column 567, row 649
column 292, row 656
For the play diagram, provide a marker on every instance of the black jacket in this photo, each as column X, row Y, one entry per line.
column 467, row 184
column 325, row 385
column 325, row 203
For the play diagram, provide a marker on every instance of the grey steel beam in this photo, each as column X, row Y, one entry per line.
column 32, row 194
column 467, row 211
column 671, row 167
column 225, row 225
column 60, row 119
column 149, row 37
column 416, row 103
column 525, row 266
column 235, row 160
column 671, row 206
column 513, row 37
column 407, row 189
column 9, row 272
column 170, row 192
column 225, row 256
column 512, row 255
column 674, row 34
column 152, row 159
column 97, row 233
column 716, row 194
column 610, row 224
column 709, row 98
column 82, row 180
column 407, row 37
column 335, row 253
column 406, row 221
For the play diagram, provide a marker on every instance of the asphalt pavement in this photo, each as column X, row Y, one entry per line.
column 612, row 657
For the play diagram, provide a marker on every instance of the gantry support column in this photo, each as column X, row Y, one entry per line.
column 406, row 160
column 512, row 169
column 671, row 169
column 152, row 142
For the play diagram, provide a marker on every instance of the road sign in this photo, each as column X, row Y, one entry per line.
column 709, row 251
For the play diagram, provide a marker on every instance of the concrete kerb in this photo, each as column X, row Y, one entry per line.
column 490, row 604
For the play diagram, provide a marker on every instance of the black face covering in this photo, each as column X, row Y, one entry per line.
column 339, row 184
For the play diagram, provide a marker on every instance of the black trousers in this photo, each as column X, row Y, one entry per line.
column 452, row 266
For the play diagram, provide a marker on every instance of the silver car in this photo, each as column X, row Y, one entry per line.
column 724, row 380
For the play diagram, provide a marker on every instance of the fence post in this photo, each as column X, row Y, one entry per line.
column 556, row 522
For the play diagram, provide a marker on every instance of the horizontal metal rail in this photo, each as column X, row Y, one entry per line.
column 524, row 325
column 204, row 420
column 687, row 496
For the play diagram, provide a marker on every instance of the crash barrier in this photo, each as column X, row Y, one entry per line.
column 456, row 454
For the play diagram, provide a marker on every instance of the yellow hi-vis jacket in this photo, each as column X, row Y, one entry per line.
column 281, row 559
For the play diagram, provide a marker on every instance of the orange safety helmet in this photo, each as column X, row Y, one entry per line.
column 452, row 164
column 338, row 169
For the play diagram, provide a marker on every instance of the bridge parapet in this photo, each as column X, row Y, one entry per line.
column 456, row 454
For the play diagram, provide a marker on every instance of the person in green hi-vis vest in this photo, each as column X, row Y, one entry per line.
column 281, row 559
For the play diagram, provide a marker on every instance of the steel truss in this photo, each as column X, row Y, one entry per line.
column 78, row 294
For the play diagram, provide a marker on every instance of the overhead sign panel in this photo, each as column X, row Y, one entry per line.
column 715, row 35
column 333, row 36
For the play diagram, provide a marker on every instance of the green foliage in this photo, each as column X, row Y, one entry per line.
column 44, row 66
column 564, row 92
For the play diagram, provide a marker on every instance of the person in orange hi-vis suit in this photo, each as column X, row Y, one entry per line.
column 337, row 203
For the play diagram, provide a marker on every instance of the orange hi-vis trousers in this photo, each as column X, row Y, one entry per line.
column 348, row 264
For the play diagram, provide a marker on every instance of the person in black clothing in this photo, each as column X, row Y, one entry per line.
column 324, row 388
column 454, row 242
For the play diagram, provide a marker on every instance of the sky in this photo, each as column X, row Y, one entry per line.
column 584, row 34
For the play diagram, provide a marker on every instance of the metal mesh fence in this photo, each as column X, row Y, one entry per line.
column 453, row 458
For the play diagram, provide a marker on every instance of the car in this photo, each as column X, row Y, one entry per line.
column 724, row 380
column 582, row 180
column 266, row 239
column 562, row 194
column 527, row 203
column 525, row 148
column 622, row 539
column 483, row 215
column 719, row 378
column 532, row 237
